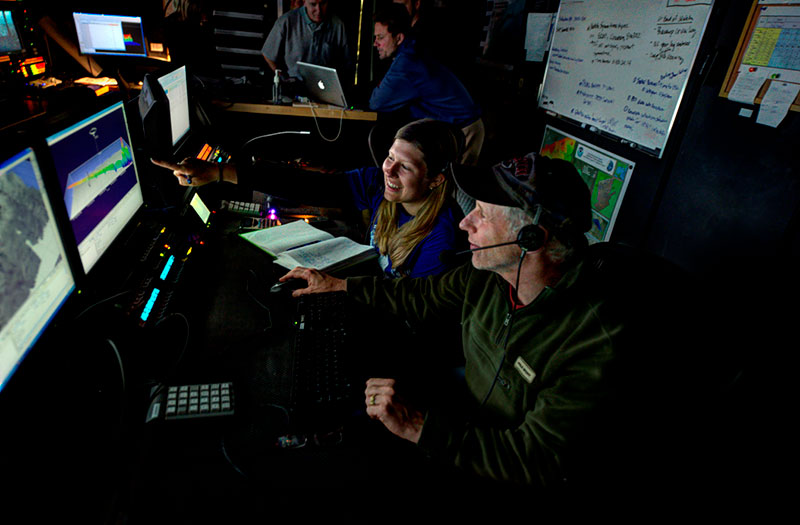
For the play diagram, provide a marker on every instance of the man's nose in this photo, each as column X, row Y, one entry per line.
column 466, row 223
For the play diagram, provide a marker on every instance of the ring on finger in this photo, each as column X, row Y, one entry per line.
column 372, row 399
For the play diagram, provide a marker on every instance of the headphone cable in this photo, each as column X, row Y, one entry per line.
column 510, row 322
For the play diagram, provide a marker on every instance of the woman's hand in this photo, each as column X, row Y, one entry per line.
column 191, row 171
column 317, row 282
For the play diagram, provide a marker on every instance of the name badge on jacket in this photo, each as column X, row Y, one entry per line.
column 524, row 370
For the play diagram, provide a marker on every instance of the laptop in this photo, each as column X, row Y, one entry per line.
column 322, row 84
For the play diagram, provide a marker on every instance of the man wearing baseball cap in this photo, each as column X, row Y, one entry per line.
column 538, row 340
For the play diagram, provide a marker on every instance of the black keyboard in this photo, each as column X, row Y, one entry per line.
column 320, row 373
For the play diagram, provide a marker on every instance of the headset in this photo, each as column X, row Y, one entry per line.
column 531, row 237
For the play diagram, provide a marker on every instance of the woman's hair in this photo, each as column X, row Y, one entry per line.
column 440, row 144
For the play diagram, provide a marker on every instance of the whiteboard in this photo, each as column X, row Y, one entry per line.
column 621, row 66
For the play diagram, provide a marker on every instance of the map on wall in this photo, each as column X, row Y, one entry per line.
column 606, row 174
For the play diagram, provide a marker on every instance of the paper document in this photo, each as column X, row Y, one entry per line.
column 301, row 244
column 286, row 236
column 748, row 83
column 325, row 255
column 776, row 102
column 537, row 35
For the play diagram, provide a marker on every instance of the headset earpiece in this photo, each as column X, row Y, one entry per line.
column 531, row 237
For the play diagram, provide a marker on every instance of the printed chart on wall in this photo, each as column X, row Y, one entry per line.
column 623, row 70
column 606, row 174
column 765, row 68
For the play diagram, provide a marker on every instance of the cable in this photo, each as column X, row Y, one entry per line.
column 316, row 123
column 119, row 361
column 505, row 338
column 256, row 299
column 98, row 303
column 272, row 135
column 224, row 449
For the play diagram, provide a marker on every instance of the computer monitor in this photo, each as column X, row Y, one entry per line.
column 10, row 41
column 101, row 34
column 36, row 278
column 97, row 175
column 176, row 87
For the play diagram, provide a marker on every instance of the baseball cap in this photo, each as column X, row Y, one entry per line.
column 529, row 182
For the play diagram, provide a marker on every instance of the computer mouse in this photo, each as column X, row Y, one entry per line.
column 289, row 285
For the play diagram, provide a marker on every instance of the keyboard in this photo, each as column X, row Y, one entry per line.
column 320, row 371
column 191, row 401
column 241, row 207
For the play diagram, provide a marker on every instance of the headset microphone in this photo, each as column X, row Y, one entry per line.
column 530, row 238
column 451, row 256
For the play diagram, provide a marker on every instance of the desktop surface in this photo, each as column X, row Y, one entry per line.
column 258, row 463
column 261, row 462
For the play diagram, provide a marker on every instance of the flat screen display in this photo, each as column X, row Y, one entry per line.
column 35, row 276
column 97, row 175
column 100, row 34
column 9, row 37
column 177, row 91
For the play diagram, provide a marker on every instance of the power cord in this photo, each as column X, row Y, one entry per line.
column 98, row 303
column 316, row 123
column 288, row 132
column 123, row 382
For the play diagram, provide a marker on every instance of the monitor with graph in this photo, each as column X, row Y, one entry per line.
column 176, row 88
column 102, row 34
column 97, row 176
column 35, row 275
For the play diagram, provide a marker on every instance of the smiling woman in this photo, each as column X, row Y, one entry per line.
column 413, row 217
column 416, row 193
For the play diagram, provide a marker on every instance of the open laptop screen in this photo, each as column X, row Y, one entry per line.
column 322, row 84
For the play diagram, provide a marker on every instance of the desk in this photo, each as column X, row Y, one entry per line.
column 232, row 468
column 297, row 110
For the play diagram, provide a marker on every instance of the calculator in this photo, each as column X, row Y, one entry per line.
column 191, row 401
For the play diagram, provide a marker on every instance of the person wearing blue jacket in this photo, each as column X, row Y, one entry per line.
column 418, row 83
column 410, row 214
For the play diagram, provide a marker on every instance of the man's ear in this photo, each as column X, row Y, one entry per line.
column 400, row 37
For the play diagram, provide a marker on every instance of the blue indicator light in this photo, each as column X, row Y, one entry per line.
column 150, row 303
column 167, row 267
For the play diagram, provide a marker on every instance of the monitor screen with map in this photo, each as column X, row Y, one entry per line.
column 34, row 272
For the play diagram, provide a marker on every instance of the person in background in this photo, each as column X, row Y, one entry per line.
column 417, row 83
column 410, row 216
column 308, row 34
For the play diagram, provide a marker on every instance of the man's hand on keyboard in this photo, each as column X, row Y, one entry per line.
column 318, row 282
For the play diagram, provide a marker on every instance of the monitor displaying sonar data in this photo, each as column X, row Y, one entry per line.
column 35, row 276
column 101, row 34
column 97, row 175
